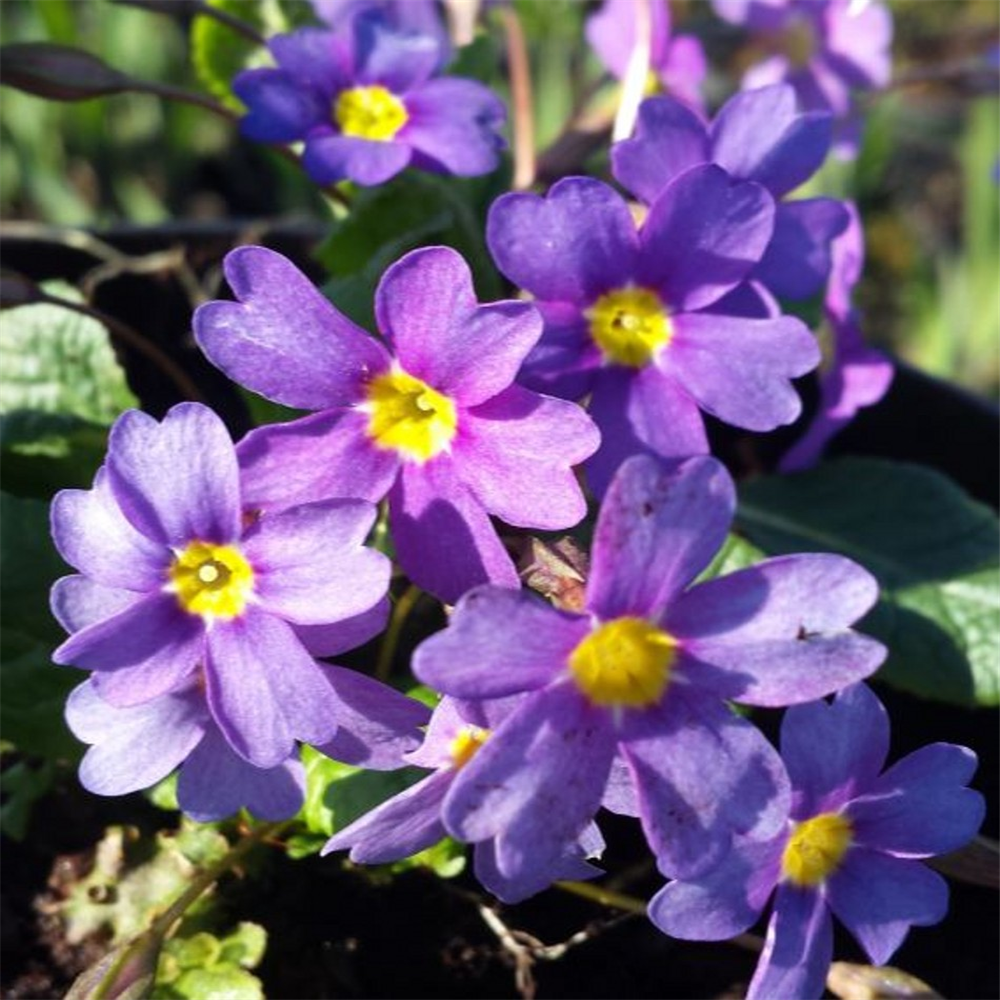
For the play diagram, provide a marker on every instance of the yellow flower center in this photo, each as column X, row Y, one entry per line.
column 214, row 581
column 466, row 744
column 408, row 416
column 624, row 663
column 370, row 113
column 630, row 325
column 816, row 848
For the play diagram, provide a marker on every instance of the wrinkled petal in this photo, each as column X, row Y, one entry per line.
column 669, row 139
column 133, row 747
column 702, row 774
column 658, row 528
column 724, row 902
column 376, row 724
column 517, row 454
column 280, row 109
column 427, row 305
column 760, row 135
column 740, row 370
column 498, row 642
column 338, row 637
column 538, row 780
column 798, row 948
column 834, row 751
column 703, row 235
column 310, row 563
column 77, row 601
column 454, row 126
column 264, row 690
column 641, row 412
column 93, row 536
column 780, row 629
column 144, row 651
column 282, row 338
column 798, row 258
column 324, row 455
column 177, row 480
column 444, row 540
column 402, row 826
column 880, row 897
column 920, row 806
column 570, row 246
column 215, row 783
column 329, row 158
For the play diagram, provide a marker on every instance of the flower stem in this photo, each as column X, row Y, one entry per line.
column 387, row 651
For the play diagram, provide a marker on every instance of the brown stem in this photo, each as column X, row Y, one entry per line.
column 521, row 100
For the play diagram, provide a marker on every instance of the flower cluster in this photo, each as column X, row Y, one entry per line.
column 216, row 579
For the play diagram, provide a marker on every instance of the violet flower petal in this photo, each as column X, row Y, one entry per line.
column 320, row 62
column 282, row 338
column 330, row 158
column 565, row 360
column 279, row 108
column 338, row 637
column 77, row 601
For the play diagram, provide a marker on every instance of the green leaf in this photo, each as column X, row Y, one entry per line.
column 226, row 982
column 22, row 786
column 932, row 548
column 736, row 553
column 245, row 945
column 446, row 859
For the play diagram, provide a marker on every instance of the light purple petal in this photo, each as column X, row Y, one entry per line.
column 498, row 642
column 77, row 601
column 144, row 651
column 402, row 826
column 879, row 898
column 282, row 338
column 920, row 806
column 454, row 126
column 178, row 480
column 740, row 370
column 683, row 69
column 611, row 33
column 620, row 796
column 264, row 689
column 215, row 783
column 329, row 640
column 797, row 262
column 538, row 781
column 669, row 139
column 446, row 722
column 658, row 528
column 780, row 629
column 426, row 304
column 750, row 299
column 327, row 454
column 310, row 563
column 727, row 900
column 760, row 135
column 376, row 724
column 516, row 453
column 702, row 774
column 641, row 412
column 570, row 246
column 798, row 948
column 444, row 540
column 133, row 747
column 861, row 37
column 834, row 751
column 330, row 158
column 93, row 536
column 703, row 236
column 280, row 109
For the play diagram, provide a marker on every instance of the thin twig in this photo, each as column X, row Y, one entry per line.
column 521, row 99
column 231, row 21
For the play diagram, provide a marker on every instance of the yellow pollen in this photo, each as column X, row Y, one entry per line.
column 370, row 113
column 466, row 744
column 408, row 416
column 630, row 326
column 816, row 848
column 214, row 581
column 624, row 663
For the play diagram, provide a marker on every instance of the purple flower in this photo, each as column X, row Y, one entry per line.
column 365, row 102
column 758, row 135
column 176, row 588
column 858, row 375
column 851, row 847
column 826, row 49
column 433, row 420
column 677, row 62
column 412, row 820
column 626, row 701
column 640, row 318
column 421, row 17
